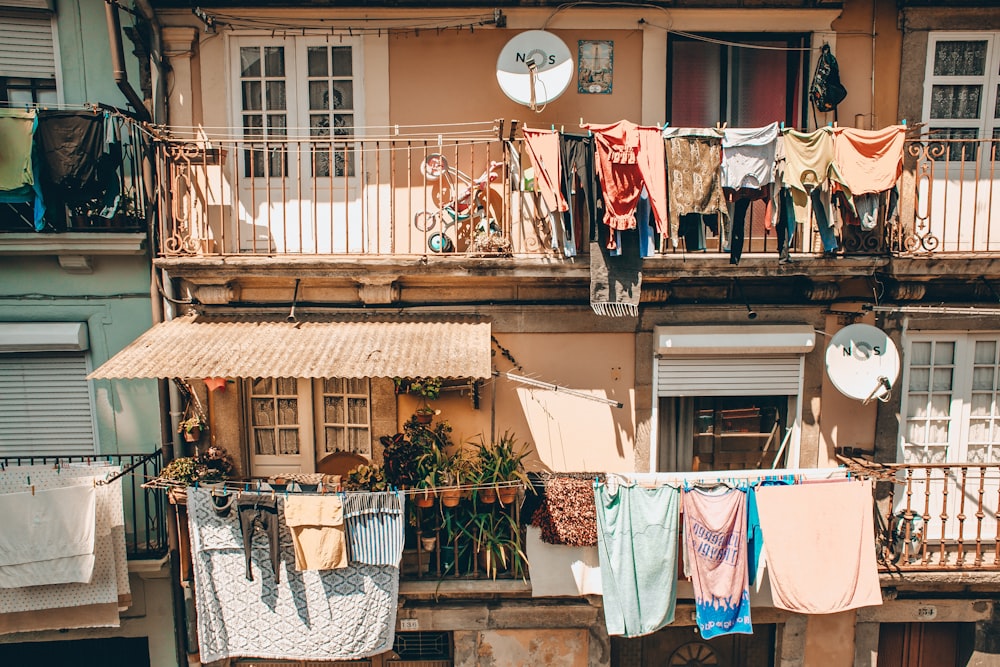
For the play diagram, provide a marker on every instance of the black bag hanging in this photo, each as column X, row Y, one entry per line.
column 826, row 91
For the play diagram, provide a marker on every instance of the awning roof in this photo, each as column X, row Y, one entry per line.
column 199, row 346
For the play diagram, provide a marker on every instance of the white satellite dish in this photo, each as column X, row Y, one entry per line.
column 862, row 362
column 534, row 68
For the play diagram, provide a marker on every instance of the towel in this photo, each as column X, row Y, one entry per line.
column 317, row 527
column 17, row 131
column 567, row 515
column 637, row 549
column 616, row 279
column 340, row 614
column 108, row 586
column 869, row 160
column 715, row 550
column 543, row 148
column 48, row 536
column 375, row 530
column 819, row 542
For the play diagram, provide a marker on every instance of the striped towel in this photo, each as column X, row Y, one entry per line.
column 375, row 527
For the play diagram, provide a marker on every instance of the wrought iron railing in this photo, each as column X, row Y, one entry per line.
column 480, row 537
column 145, row 509
column 950, row 197
column 937, row 516
column 467, row 195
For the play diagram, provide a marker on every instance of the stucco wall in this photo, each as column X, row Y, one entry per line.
column 114, row 302
column 869, row 71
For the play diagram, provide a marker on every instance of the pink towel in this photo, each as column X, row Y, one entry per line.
column 819, row 541
column 543, row 148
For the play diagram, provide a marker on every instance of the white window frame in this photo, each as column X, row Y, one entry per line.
column 296, row 93
column 309, row 394
column 960, row 408
column 986, row 125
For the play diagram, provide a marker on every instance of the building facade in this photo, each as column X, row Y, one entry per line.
column 344, row 196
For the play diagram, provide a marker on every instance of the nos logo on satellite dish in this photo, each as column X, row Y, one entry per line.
column 534, row 68
column 862, row 362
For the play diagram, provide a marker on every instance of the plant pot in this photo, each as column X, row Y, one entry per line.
column 423, row 417
column 424, row 499
column 451, row 497
column 428, row 543
column 487, row 495
column 507, row 494
column 193, row 435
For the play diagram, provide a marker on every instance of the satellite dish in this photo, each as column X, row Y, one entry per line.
column 534, row 68
column 862, row 362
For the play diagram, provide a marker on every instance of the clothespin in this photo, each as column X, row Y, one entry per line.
column 782, row 125
column 904, row 122
column 552, row 127
column 397, row 129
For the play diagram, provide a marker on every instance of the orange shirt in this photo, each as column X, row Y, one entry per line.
column 869, row 160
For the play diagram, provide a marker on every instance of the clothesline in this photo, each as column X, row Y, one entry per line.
column 726, row 477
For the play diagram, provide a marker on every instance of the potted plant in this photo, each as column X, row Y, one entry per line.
column 431, row 473
column 214, row 466
column 192, row 427
column 424, row 414
column 365, row 478
column 458, row 471
column 502, row 466
column 498, row 543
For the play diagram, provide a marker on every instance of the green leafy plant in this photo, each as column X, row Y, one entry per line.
column 427, row 387
column 192, row 423
column 498, row 543
column 365, row 478
column 503, row 462
column 213, row 465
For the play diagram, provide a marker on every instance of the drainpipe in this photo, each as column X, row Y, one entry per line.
column 118, row 61
column 156, row 56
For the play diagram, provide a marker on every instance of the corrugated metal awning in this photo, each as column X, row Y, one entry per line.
column 314, row 347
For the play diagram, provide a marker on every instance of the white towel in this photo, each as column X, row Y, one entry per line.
column 48, row 536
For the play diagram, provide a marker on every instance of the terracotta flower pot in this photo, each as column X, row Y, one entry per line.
column 451, row 497
column 424, row 499
column 193, row 435
column 487, row 495
column 423, row 417
column 507, row 494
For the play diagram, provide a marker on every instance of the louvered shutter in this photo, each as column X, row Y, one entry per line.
column 26, row 46
column 731, row 375
column 45, row 405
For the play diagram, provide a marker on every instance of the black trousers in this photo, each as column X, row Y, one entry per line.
column 262, row 513
column 579, row 178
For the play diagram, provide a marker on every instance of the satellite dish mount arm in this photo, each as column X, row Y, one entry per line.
column 533, row 75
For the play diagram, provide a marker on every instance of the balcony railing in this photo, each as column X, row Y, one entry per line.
column 470, row 195
column 950, row 197
column 145, row 512
column 937, row 516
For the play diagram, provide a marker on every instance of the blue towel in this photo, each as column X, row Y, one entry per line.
column 637, row 547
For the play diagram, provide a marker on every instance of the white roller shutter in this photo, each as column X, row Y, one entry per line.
column 45, row 405
column 26, row 46
column 729, row 375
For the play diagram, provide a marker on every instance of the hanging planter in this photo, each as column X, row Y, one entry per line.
column 191, row 428
column 507, row 494
column 451, row 497
column 487, row 495
column 424, row 498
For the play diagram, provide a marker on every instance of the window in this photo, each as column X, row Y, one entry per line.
column 291, row 85
column 961, row 99
column 723, row 432
column 951, row 401
column 744, row 87
column 288, row 415
column 27, row 58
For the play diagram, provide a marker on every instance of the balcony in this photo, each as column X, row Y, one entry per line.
column 470, row 196
column 936, row 517
column 145, row 511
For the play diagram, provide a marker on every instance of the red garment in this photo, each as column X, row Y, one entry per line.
column 543, row 148
column 628, row 157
